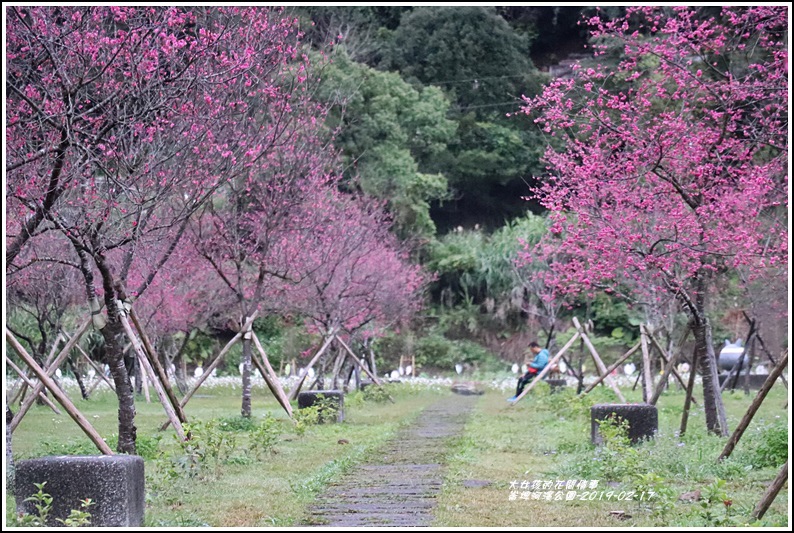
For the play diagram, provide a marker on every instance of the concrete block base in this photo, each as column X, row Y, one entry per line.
column 115, row 483
column 643, row 420
column 335, row 397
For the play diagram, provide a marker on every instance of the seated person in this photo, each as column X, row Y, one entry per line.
column 533, row 369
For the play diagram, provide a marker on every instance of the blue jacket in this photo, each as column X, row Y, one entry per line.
column 540, row 360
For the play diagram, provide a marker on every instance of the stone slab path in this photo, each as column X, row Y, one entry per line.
column 400, row 487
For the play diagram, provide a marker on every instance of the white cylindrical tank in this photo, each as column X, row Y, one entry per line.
column 729, row 356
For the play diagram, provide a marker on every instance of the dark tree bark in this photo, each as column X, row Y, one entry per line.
column 78, row 377
column 246, row 406
column 9, row 454
column 716, row 421
column 114, row 336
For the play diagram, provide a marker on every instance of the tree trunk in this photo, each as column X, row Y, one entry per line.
column 180, row 372
column 751, row 351
column 114, row 336
column 716, row 421
column 245, row 410
column 580, row 382
column 76, row 372
column 9, row 455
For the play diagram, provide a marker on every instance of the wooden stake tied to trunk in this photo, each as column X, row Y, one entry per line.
column 213, row 365
column 757, row 401
column 99, row 372
column 670, row 365
column 612, row 367
column 270, row 377
column 161, row 375
column 597, row 359
column 293, row 395
column 647, row 380
column 30, row 384
column 362, row 367
column 46, row 381
column 26, row 405
column 149, row 372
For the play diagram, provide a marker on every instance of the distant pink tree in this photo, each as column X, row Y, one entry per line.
column 355, row 274
column 252, row 239
column 674, row 166
column 44, row 292
column 123, row 121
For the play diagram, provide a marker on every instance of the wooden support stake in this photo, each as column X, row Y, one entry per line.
column 547, row 368
column 764, row 348
column 293, row 395
column 154, row 361
column 771, row 492
column 757, row 401
column 30, row 384
column 670, row 366
column 99, row 372
column 690, row 389
column 278, row 392
column 647, row 379
column 207, row 371
column 183, row 402
column 23, row 386
column 371, row 376
column 338, row 364
column 59, row 395
column 53, row 350
column 751, row 347
column 270, row 384
column 598, row 362
column 612, row 367
column 731, row 372
column 26, row 405
column 148, row 371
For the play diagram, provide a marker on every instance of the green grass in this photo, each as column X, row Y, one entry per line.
column 544, row 437
column 547, row 438
column 243, row 491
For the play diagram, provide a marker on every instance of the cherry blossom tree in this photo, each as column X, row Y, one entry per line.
column 41, row 296
column 123, row 121
column 355, row 274
column 252, row 239
column 674, row 166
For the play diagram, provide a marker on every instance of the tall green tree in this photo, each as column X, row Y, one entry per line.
column 388, row 131
column 483, row 67
column 471, row 52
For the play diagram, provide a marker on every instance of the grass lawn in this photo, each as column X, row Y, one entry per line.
column 240, row 489
column 547, row 438
column 543, row 438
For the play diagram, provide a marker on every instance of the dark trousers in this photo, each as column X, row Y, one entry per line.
column 523, row 380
